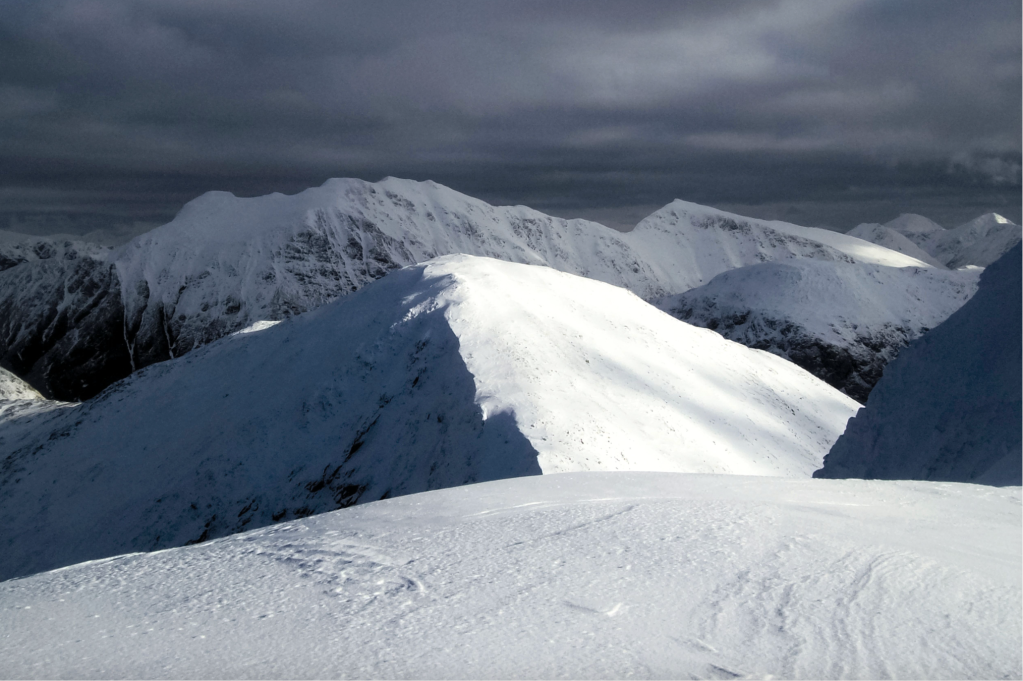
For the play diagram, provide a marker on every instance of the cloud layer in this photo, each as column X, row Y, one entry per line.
column 837, row 112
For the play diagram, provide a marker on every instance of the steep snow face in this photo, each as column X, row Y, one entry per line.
column 889, row 238
column 916, row 228
column 16, row 249
column 13, row 388
column 949, row 407
column 842, row 322
column 582, row 575
column 979, row 242
column 689, row 244
column 462, row 370
column 224, row 263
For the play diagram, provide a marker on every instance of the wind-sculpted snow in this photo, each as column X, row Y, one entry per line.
column 226, row 262
column 842, row 322
column 461, row 370
column 584, row 575
column 949, row 407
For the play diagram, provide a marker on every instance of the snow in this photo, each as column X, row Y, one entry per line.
column 841, row 321
column 13, row 388
column 578, row 575
column 916, row 228
column 979, row 242
column 949, row 407
column 456, row 371
column 18, row 248
column 889, row 238
column 225, row 262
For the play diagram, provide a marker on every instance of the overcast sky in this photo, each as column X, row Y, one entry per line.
column 822, row 113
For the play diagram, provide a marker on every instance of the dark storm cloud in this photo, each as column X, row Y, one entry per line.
column 831, row 112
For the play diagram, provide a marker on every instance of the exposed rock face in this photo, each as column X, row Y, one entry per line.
column 949, row 408
column 62, row 326
column 841, row 322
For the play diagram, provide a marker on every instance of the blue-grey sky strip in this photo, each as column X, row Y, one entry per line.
column 115, row 112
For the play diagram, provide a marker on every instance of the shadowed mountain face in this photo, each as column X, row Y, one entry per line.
column 842, row 322
column 456, row 371
column 949, row 407
column 72, row 327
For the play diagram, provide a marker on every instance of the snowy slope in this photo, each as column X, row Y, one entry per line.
column 13, row 388
column 16, row 249
column 462, row 370
column 889, row 238
column 979, row 242
column 842, row 322
column 226, row 262
column 688, row 245
column 916, row 228
column 949, row 407
column 585, row 575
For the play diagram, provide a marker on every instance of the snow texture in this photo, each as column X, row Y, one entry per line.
column 226, row 262
column 842, row 322
column 948, row 408
column 580, row 575
column 889, row 238
column 460, row 370
column 977, row 243
column 16, row 249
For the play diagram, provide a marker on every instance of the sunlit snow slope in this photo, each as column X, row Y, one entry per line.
column 842, row 322
column 890, row 238
column 979, row 242
column 226, row 262
column 585, row 575
column 462, row 370
column 949, row 407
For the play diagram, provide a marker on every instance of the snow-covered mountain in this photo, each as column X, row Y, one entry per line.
column 916, row 228
column 225, row 262
column 16, row 249
column 580, row 575
column 949, row 408
column 842, row 322
column 889, row 238
column 457, row 371
column 979, row 242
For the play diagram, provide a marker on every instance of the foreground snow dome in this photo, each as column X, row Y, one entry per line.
column 579, row 575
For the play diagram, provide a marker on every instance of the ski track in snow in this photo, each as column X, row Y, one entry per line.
column 594, row 575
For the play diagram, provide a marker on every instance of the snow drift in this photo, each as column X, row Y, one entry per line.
column 462, row 370
column 842, row 322
column 948, row 408
column 226, row 262
column 582, row 575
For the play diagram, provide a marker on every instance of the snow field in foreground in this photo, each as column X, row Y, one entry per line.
column 578, row 575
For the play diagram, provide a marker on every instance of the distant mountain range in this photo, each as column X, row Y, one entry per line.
column 72, row 326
